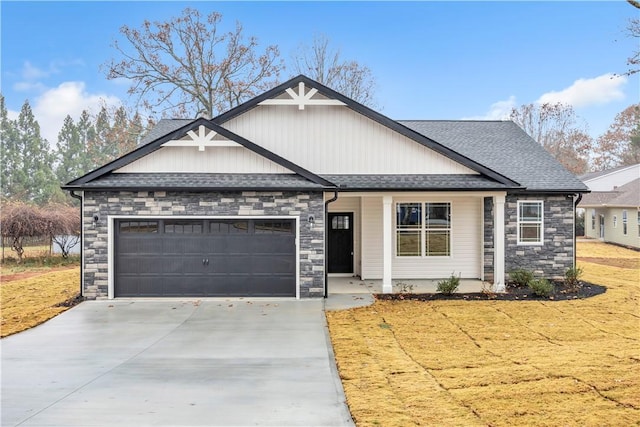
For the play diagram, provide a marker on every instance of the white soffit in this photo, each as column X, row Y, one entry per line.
column 201, row 140
column 302, row 99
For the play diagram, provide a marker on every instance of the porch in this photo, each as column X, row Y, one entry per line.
column 355, row 285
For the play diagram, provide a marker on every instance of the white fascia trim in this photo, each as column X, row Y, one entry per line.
column 111, row 247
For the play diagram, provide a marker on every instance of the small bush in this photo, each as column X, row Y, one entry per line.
column 404, row 288
column 450, row 285
column 572, row 277
column 541, row 287
column 521, row 277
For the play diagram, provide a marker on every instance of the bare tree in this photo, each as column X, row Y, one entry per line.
column 620, row 144
column 19, row 220
column 63, row 226
column 323, row 64
column 187, row 65
column 555, row 127
column 633, row 31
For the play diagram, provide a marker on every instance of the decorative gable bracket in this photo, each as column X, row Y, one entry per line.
column 301, row 99
column 201, row 140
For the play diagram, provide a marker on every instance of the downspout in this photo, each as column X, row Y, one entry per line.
column 75, row 196
column 575, row 216
column 326, row 238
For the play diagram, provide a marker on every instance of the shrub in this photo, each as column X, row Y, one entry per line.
column 572, row 277
column 541, row 287
column 521, row 277
column 450, row 285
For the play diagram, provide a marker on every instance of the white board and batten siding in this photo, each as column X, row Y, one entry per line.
column 350, row 204
column 466, row 243
column 212, row 160
column 331, row 139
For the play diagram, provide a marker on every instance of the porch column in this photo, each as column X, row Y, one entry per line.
column 387, row 244
column 498, row 243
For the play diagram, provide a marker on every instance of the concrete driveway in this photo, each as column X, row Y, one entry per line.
column 175, row 363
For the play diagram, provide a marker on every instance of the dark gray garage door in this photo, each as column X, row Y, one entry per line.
column 174, row 258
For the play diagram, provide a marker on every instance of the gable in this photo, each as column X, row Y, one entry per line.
column 200, row 134
column 202, row 151
column 335, row 139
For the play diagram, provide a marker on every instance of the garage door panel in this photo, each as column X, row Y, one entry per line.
column 132, row 286
column 271, row 286
column 272, row 264
column 227, row 264
column 137, row 246
column 269, row 243
column 181, row 245
column 206, row 258
column 134, row 264
column 183, row 286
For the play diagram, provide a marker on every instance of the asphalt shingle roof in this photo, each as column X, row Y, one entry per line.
column 625, row 195
column 200, row 181
column 163, row 127
column 413, row 182
column 503, row 147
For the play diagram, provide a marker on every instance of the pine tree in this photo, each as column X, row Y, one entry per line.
column 69, row 152
column 35, row 180
column 8, row 152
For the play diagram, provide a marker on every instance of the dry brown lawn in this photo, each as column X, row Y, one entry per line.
column 498, row 363
column 27, row 302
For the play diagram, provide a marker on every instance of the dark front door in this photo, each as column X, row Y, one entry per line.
column 340, row 243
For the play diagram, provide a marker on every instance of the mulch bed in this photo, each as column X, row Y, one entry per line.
column 513, row 293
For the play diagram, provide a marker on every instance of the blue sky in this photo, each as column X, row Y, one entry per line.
column 432, row 60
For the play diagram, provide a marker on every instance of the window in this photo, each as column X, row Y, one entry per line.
column 139, row 227
column 624, row 222
column 638, row 223
column 530, row 231
column 340, row 222
column 182, row 227
column 593, row 219
column 423, row 229
column 615, row 221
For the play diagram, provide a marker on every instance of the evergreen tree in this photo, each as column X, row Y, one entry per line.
column 8, row 152
column 102, row 149
column 69, row 152
column 35, row 180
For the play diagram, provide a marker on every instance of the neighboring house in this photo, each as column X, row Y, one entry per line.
column 610, row 179
column 614, row 216
column 300, row 182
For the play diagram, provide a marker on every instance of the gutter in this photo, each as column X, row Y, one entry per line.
column 575, row 207
column 75, row 196
column 326, row 238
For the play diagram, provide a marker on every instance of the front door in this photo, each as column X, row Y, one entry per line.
column 340, row 243
column 602, row 226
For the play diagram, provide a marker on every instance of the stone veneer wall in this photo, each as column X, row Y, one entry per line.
column 488, row 239
column 161, row 203
column 555, row 256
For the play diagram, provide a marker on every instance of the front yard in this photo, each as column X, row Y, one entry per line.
column 499, row 363
column 36, row 290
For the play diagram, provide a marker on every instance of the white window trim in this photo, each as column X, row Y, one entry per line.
column 615, row 221
column 541, row 242
column 423, row 231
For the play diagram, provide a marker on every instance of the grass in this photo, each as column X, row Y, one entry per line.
column 498, row 363
column 40, row 295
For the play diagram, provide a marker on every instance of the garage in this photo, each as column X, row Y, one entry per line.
column 205, row 258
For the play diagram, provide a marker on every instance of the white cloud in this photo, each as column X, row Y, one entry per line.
column 69, row 98
column 585, row 92
column 497, row 111
column 30, row 72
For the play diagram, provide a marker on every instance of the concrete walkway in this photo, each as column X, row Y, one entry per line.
column 175, row 363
